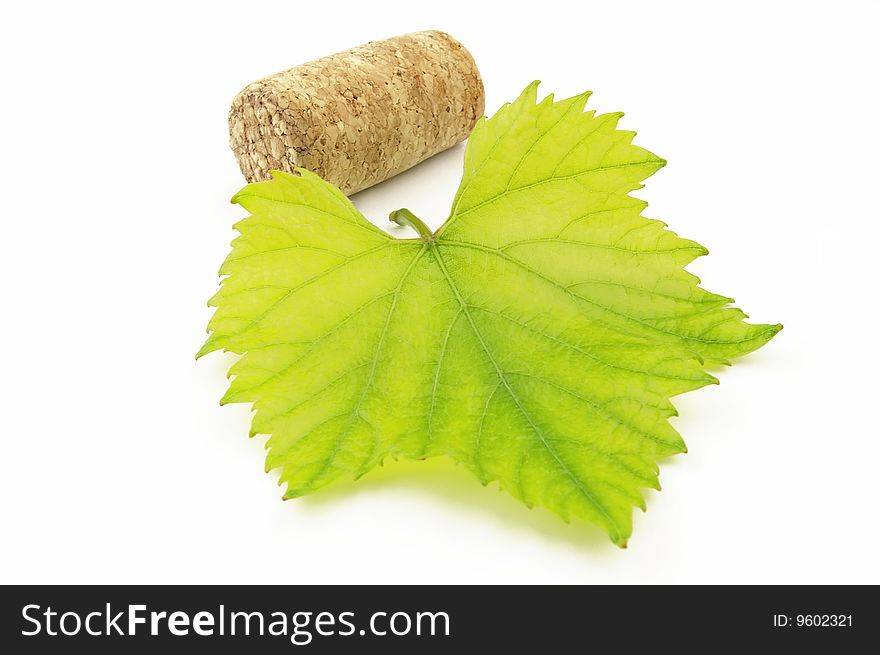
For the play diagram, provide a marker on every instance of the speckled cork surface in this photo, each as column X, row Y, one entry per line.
column 361, row 116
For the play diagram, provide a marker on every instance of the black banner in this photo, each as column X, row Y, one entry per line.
column 330, row 619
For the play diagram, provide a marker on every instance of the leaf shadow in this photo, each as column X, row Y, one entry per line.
column 444, row 482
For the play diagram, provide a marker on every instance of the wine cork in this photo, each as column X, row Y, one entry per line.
column 361, row 116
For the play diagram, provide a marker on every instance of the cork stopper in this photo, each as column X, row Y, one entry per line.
column 361, row 116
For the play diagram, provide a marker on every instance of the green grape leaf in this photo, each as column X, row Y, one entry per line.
column 536, row 338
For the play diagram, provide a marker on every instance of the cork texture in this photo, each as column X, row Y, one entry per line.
column 361, row 116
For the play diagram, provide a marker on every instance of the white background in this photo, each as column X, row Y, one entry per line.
column 118, row 465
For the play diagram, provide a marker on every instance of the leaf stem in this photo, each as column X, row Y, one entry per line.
column 405, row 217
